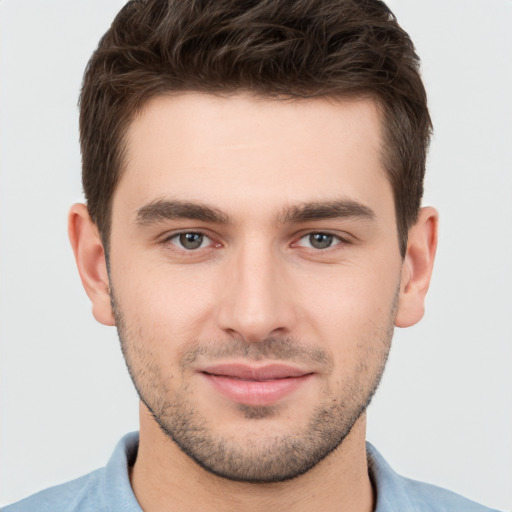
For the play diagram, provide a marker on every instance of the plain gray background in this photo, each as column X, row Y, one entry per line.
column 444, row 410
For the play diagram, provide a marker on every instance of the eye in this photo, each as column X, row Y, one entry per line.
column 319, row 240
column 190, row 241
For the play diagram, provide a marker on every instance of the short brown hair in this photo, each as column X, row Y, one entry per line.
column 274, row 48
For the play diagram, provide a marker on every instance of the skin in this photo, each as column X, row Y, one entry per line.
column 256, row 291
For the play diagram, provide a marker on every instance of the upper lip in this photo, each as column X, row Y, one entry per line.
column 270, row 371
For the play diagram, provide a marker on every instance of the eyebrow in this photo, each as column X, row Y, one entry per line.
column 343, row 208
column 159, row 210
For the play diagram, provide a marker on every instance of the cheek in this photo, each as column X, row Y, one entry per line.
column 351, row 305
column 163, row 300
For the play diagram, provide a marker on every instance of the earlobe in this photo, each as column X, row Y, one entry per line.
column 417, row 268
column 91, row 263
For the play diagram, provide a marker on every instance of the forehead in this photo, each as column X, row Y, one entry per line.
column 265, row 152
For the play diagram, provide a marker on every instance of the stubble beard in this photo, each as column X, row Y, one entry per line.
column 273, row 458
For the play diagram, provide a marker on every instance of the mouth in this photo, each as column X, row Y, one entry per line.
column 255, row 385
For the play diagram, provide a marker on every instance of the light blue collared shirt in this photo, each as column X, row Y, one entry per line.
column 108, row 489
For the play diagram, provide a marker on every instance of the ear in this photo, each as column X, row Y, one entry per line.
column 91, row 263
column 417, row 268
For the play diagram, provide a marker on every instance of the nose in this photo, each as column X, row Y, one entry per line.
column 256, row 296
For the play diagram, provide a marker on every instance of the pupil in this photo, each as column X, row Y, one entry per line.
column 191, row 240
column 320, row 240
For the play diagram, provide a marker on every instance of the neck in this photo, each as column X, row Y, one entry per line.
column 164, row 475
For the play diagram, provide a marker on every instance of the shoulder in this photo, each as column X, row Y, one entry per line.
column 106, row 489
column 430, row 498
column 395, row 493
column 80, row 495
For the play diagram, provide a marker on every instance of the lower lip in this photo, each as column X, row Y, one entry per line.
column 253, row 392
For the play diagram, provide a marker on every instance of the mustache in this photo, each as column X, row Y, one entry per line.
column 272, row 348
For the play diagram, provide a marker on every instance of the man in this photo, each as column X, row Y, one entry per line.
column 253, row 175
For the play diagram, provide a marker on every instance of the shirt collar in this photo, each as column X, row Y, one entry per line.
column 390, row 494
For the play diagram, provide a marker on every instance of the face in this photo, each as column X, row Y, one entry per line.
column 255, row 274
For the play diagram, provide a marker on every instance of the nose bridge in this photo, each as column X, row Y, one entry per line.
column 256, row 301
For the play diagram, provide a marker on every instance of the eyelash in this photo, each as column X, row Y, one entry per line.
column 337, row 240
column 176, row 236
